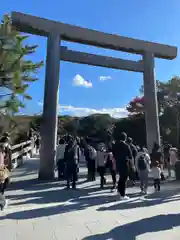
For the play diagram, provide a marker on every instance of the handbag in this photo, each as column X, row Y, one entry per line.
column 4, row 174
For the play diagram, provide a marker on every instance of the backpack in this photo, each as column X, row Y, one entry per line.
column 142, row 164
column 69, row 155
column 92, row 153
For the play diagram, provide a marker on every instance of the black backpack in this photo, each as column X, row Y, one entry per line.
column 69, row 155
column 142, row 164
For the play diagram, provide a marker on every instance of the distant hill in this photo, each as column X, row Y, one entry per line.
column 95, row 125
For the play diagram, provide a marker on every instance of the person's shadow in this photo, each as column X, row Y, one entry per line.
column 132, row 230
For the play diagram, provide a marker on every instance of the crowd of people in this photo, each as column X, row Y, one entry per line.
column 121, row 159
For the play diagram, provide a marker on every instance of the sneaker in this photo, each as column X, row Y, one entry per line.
column 6, row 203
column 145, row 192
column 124, row 198
column 142, row 191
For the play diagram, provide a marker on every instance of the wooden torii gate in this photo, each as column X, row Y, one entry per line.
column 57, row 31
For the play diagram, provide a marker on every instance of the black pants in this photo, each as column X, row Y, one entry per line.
column 2, row 201
column 89, row 170
column 113, row 175
column 162, row 176
column 71, row 175
column 61, row 168
column 157, row 184
column 101, row 173
column 122, row 184
column 92, row 170
column 132, row 175
column 4, row 185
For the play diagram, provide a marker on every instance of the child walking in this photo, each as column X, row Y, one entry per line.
column 156, row 172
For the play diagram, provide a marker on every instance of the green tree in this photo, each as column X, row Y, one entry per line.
column 170, row 102
column 133, row 126
column 168, row 94
column 96, row 125
column 16, row 72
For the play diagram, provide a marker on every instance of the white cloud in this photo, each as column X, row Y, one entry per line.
column 105, row 78
column 79, row 81
column 83, row 111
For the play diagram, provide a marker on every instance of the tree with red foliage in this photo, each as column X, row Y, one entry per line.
column 136, row 106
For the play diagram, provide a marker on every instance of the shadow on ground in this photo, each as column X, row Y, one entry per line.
column 146, row 225
column 35, row 194
column 156, row 198
column 80, row 199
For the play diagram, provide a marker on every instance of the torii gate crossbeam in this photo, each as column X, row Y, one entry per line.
column 101, row 61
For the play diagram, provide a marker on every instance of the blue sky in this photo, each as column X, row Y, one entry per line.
column 147, row 20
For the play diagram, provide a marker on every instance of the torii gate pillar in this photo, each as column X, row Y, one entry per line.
column 151, row 104
column 50, row 109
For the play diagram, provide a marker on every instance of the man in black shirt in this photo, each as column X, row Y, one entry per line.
column 123, row 156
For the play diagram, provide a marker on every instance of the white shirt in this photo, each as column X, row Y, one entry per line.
column 60, row 151
column 156, row 172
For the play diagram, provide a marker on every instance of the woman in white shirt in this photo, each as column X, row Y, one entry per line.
column 60, row 158
column 101, row 162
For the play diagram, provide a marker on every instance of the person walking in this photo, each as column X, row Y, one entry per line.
column 4, row 177
column 123, row 156
column 173, row 158
column 101, row 163
column 71, row 163
column 132, row 173
column 111, row 163
column 60, row 158
column 142, row 163
column 90, row 155
column 157, row 155
column 156, row 173
column 37, row 144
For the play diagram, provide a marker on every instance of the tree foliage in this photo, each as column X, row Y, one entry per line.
column 136, row 106
column 16, row 72
column 168, row 95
